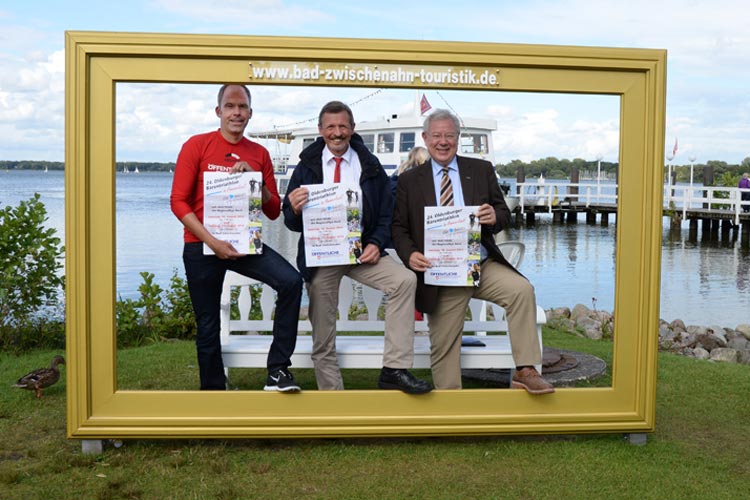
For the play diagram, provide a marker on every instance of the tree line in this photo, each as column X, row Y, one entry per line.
column 554, row 168
column 550, row 167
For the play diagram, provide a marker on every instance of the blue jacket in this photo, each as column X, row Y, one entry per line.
column 377, row 199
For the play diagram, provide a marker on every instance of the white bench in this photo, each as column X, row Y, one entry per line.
column 244, row 345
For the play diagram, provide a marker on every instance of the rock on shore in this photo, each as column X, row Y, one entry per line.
column 714, row 342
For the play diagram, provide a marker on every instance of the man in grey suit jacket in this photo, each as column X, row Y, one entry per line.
column 473, row 183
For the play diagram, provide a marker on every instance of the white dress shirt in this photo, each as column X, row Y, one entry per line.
column 350, row 169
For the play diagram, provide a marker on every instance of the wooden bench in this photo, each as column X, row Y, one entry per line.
column 245, row 342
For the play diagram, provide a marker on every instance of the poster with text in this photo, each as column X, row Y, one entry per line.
column 232, row 210
column 452, row 244
column 332, row 225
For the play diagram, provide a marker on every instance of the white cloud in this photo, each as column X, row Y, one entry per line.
column 546, row 133
column 250, row 16
column 32, row 110
column 707, row 100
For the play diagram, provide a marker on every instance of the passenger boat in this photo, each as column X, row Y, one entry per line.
column 389, row 138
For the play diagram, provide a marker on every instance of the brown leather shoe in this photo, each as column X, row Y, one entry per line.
column 528, row 378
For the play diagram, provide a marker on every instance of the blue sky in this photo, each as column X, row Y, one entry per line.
column 708, row 93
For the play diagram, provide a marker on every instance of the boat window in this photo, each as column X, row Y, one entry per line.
column 307, row 142
column 369, row 140
column 407, row 142
column 473, row 143
column 385, row 143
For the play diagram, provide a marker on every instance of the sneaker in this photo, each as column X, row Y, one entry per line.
column 282, row 381
column 528, row 378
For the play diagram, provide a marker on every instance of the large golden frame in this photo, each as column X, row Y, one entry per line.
column 96, row 409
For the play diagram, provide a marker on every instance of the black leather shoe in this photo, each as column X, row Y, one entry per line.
column 402, row 380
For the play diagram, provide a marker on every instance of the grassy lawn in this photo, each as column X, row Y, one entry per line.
column 700, row 448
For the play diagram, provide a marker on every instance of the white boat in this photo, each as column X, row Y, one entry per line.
column 540, row 194
column 390, row 139
column 534, row 195
column 510, row 199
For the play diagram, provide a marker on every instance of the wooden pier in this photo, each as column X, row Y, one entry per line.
column 714, row 209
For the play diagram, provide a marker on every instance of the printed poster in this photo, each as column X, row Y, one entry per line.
column 452, row 244
column 332, row 225
column 232, row 210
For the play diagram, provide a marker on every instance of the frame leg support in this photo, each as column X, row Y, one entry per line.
column 92, row 446
column 637, row 438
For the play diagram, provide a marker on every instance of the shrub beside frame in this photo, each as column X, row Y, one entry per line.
column 96, row 61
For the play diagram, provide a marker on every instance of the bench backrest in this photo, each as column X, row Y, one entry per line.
column 350, row 293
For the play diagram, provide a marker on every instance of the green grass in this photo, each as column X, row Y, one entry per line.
column 699, row 449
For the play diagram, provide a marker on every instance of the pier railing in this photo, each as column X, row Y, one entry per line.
column 556, row 194
column 718, row 199
column 684, row 198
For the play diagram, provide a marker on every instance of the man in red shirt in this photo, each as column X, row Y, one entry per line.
column 227, row 150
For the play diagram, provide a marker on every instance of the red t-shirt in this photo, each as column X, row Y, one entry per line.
column 210, row 152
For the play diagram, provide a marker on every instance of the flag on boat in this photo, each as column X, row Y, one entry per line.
column 674, row 149
column 424, row 104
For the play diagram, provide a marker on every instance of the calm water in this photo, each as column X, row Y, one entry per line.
column 703, row 282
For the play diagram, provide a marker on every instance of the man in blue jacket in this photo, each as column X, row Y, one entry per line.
column 341, row 155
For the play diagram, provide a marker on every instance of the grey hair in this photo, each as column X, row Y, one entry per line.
column 335, row 107
column 441, row 114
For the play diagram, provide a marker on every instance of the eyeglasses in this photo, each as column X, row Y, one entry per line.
column 450, row 137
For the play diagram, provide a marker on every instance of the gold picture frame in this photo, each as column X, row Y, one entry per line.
column 96, row 61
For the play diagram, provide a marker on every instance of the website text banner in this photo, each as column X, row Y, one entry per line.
column 297, row 72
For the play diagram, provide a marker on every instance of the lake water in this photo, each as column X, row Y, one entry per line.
column 705, row 282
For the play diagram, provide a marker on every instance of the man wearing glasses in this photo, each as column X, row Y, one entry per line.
column 451, row 180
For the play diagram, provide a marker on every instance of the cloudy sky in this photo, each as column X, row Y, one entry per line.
column 708, row 82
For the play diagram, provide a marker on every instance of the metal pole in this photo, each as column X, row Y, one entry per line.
column 669, row 179
column 598, row 178
column 690, row 196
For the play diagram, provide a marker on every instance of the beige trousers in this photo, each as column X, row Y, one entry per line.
column 501, row 285
column 397, row 282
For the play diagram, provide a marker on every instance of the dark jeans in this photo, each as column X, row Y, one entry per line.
column 745, row 197
column 205, row 277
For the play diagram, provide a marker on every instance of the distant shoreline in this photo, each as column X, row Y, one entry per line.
column 31, row 165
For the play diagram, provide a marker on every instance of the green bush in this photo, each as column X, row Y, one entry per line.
column 255, row 311
column 38, row 333
column 179, row 319
column 156, row 315
column 726, row 179
column 31, row 280
column 31, row 310
column 159, row 314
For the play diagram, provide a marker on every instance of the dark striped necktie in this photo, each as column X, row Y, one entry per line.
column 446, row 190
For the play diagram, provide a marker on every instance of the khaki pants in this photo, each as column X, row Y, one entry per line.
column 388, row 276
column 500, row 285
